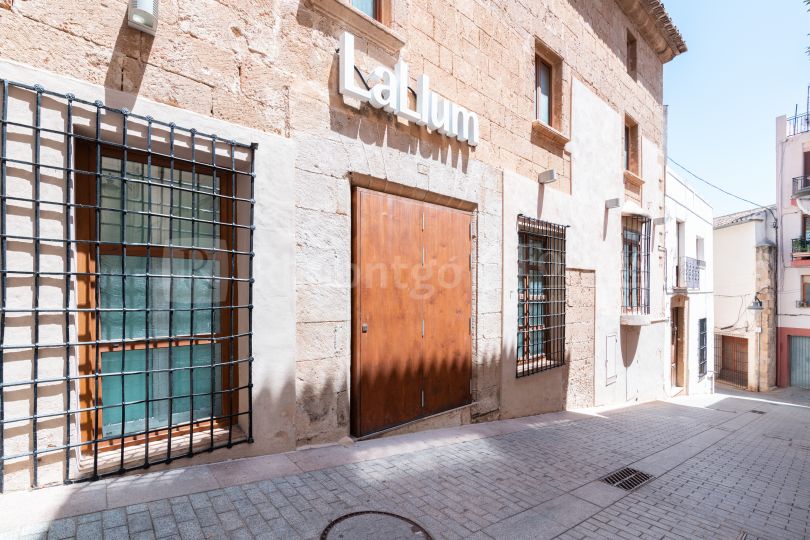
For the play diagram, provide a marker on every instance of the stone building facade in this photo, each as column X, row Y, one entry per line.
column 266, row 74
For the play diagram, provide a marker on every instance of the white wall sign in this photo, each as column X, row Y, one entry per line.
column 391, row 94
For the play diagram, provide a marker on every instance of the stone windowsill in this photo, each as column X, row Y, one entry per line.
column 633, row 178
column 635, row 320
column 550, row 134
column 359, row 22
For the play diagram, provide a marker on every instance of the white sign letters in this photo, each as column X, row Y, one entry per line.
column 391, row 94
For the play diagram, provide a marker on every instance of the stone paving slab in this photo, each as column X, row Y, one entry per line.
column 718, row 474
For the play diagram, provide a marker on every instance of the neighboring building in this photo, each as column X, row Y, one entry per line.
column 222, row 234
column 793, row 211
column 690, row 280
column 745, row 271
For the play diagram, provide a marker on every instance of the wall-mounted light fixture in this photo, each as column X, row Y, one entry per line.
column 143, row 15
column 547, row 177
column 613, row 203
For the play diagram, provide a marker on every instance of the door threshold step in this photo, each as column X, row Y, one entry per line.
column 397, row 430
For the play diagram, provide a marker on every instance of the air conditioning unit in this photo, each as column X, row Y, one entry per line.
column 143, row 15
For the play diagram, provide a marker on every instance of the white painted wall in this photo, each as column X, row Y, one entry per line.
column 684, row 206
column 593, row 243
column 789, row 164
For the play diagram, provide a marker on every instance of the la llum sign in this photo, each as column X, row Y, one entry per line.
column 390, row 93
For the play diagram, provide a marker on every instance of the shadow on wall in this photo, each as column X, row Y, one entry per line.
column 392, row 390
column 128, row 61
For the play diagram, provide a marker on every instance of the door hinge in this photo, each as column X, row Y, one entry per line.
column 470, row 325
column 471, row 387
column 471, row 230
column 423, row 221
column 423, row 397
column 470, row 261
column 423, row 327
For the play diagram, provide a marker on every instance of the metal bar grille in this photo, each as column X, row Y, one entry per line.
column 126, row 289
column 702, row 347
column 541, row 296
column 636, row 265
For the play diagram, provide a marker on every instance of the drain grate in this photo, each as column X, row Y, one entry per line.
column 755, row 411
column 627, row 479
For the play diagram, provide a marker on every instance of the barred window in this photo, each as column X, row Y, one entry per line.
column 541, row 296
column 702, row 347
column 126, row 289
column 636, row 265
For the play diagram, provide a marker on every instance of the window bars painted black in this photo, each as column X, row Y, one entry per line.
column 126, row 289
column 636, row 265
column 702, row 347
column 541, row 296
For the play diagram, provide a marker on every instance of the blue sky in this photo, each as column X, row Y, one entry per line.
column 746, row 65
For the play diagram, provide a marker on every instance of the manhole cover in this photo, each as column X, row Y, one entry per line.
column 373, row 525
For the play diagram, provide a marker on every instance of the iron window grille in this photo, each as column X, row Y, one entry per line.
column 636, row 265
column 541, row 296
column 126, row 289
column 702, row 347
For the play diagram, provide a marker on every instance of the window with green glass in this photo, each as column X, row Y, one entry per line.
column 161, row 269
column 369, row 7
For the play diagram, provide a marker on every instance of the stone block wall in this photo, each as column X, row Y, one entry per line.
column 580, row 320
column 765, row 264
column 272, row 66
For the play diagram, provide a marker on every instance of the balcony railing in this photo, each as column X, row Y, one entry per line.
column 801, row 183
column 798, row 124
column 689, row 272
column 801, row 248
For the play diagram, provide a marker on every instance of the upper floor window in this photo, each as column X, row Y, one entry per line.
column 636, row 265
column 543, row 74
column 541, row 296
column 631, row 154
column 372, row 8
column 631, row 54
column 805, row 301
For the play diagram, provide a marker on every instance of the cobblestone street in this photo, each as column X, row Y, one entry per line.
column 725, row 466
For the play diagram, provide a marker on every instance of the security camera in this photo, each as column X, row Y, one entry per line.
column 143, row 15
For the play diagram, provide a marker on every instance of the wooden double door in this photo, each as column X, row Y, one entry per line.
column 411, row 310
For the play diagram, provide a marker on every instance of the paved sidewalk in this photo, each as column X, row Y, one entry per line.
column 721, row 471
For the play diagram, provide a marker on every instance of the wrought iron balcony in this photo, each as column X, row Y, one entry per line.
column 801, row 248
column 801, row 185
column 689, row 272
column 798, row 124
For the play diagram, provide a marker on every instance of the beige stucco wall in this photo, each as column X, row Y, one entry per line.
column 267, row 72
column 593, row 243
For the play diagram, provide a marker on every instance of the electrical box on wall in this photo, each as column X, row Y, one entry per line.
column 143, row 15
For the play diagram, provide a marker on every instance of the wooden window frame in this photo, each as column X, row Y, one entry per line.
column 86, row 285
column 543, row 54
column 382, row 11
column 639, row 295
column 631, row 55
column 631, row 147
